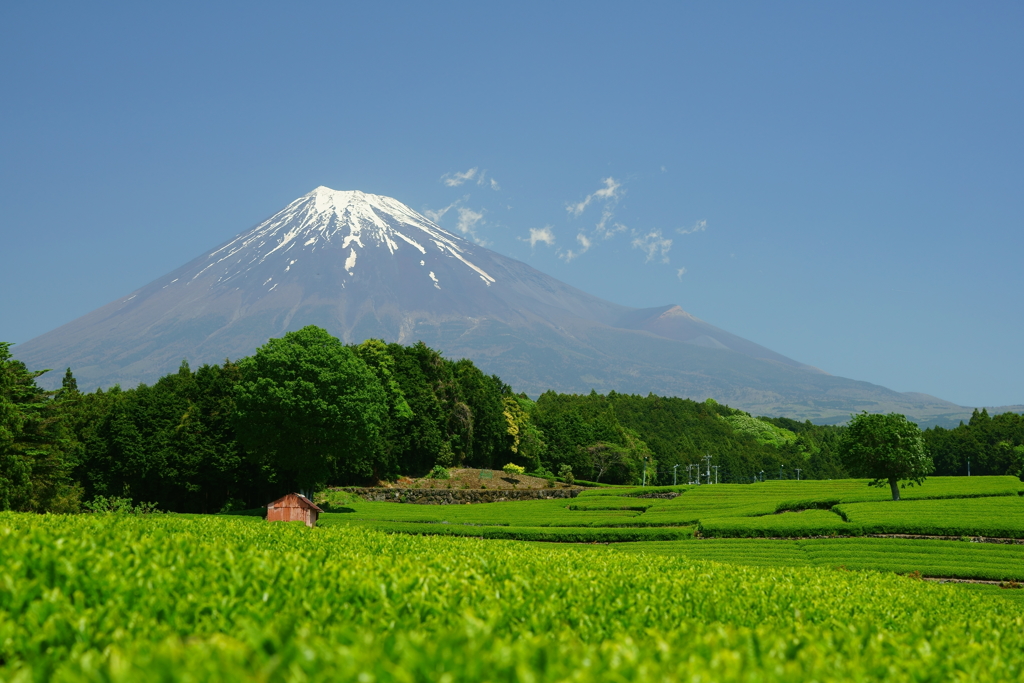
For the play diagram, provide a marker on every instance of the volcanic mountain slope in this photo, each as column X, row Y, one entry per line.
column 363, row 265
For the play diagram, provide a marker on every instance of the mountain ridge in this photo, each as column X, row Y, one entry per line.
column 363, row 265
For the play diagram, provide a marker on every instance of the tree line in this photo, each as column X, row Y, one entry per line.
column 307, row 410
column 986, row 445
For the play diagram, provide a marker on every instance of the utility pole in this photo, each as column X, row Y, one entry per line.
column 968, row 466
column 762, row 475
column 707, row 465
column 675, row 470
column 780, row 472
column 798, row 470
column 715, row 467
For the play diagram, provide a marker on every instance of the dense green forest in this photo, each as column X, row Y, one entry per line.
column 307, row 411
column 989, row 445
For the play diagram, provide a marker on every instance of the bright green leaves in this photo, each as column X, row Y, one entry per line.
column 886, row 448
column 764, row 432
column 172, row 598
column 34, row 464
column 313, row 407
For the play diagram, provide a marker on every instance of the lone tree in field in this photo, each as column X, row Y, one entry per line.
column 886, row 448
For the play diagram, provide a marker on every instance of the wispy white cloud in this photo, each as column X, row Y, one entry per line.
column 472, row 175
column 544, row 235
column 468, row 220
column 569, row 254
column 483, row 181
column 436, row 216
column 680, row 273
column 699, row 226
column 456, row 179
column 606, row 197
column 610, row 192
column 654, row 245
column 603, row 229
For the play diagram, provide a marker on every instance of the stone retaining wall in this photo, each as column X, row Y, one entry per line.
column 457, row 496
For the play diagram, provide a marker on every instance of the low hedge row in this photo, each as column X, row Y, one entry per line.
column 552, row 534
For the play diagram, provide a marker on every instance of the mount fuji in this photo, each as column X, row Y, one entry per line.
column 362, row 265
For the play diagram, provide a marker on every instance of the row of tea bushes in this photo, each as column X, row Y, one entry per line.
column 996, row 517
column 170, row 598
column 941, row 559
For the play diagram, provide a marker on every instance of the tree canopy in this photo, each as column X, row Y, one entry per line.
column 886, row 448
column 35, row 466
column 307, row 410
column 313, row 407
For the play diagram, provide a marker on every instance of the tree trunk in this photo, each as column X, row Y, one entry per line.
column 895, row 488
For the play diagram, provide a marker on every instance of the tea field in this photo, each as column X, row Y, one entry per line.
column 942, row 506
column 193, row 598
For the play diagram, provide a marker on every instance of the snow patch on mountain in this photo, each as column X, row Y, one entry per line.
column 351, row 220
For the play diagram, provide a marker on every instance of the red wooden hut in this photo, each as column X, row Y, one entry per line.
column 293, row 507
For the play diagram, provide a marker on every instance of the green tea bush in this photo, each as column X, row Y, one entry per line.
column 119, row 506
column 806, row 523
column 550, row 534
column 995, row 516
column 439, row 472
column 171, row 598
column 612, row 503
column 949, row 559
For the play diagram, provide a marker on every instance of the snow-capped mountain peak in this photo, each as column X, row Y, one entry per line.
column 338, row 226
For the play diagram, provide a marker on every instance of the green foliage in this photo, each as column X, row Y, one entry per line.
column 992, row 444
column 529, row 513
column 379, row 360
column 999, row 517
column 513, row 469
column 456, row 410
column 177, row 442
column 119, row 506
column 334, row 499
column 612, row 502
column 611, row 438
column 565, row 474
column 887, row 448
column 238, row 599
column 762, row 431
column 439, row 472
column 482, row 415
column 990, row 506
column 802, row 523
column 36, row 454
column 548, row 534
column 313, row 408
column 172, row 443
column 953, row 559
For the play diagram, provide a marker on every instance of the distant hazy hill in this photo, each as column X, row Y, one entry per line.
column 363, row 265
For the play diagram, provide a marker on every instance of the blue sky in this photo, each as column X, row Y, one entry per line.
column 840, row 182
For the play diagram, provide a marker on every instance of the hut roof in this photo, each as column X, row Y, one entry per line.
column 296, row 500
